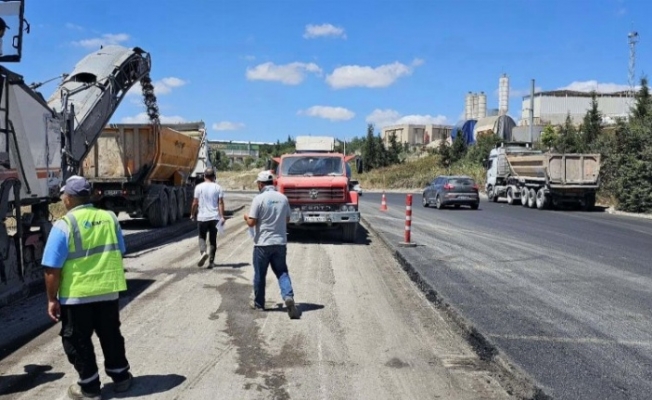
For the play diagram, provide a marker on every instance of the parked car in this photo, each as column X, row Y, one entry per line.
column 446, row 190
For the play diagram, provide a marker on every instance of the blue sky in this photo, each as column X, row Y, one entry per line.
column 263, row 70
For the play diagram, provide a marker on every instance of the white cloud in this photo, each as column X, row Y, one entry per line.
column 106, row 39
column 587, row 86
column 289, row 74
column 327, row 112
column 227, row 126
column 313, row 31
column 163, row 86
column 142, row 118
column 363, row 76
column 381, row 118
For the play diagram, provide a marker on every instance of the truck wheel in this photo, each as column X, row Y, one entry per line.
column 181, row 204
column 532, row 199
column 524, row 196
column 510, row 197
column 589, row 202
column 541, row 200
column 172, row 206
column 349, row 232
column 491, row 194
column 158, row 212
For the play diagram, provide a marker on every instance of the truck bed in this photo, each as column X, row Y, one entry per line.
column 556, row 169
column 138, row 153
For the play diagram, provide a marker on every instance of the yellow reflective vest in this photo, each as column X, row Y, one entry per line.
column 94, row 265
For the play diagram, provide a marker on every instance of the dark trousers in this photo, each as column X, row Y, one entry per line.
column 208, row 228
column 78, row 322
column 264, row 256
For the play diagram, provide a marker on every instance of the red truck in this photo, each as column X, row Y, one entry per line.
column 317, row 182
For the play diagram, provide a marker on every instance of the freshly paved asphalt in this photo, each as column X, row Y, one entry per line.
column 566, row 295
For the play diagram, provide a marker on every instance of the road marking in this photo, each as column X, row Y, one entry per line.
column 578, row 340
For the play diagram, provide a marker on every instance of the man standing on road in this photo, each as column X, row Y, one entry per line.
column 269, row 215
column 208, row 211
column 84, row 274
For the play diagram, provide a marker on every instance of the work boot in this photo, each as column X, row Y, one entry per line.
column 123, row 386
column 293, row 311
column 75, row 392
column 203, row 256
column 254, row 306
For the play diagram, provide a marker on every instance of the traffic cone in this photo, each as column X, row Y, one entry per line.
column 383, row 203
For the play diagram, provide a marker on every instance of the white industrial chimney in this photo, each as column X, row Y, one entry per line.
column 476, row 106
column 503, row 95
column 482, row 105
column 468, row 106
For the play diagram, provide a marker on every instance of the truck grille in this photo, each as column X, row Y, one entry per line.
column 314, row 194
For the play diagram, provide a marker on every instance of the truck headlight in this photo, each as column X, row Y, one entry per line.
column 346, row 207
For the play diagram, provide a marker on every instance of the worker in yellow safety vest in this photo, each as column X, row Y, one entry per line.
column 84, row 274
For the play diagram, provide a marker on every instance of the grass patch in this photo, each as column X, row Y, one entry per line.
column 416, row 174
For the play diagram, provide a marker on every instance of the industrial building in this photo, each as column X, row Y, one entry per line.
column 416, row 135
column 237, row 150
column 552, row 107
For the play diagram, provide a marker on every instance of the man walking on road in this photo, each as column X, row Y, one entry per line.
column 84, row 274
column 208, row 211
column 269, row 215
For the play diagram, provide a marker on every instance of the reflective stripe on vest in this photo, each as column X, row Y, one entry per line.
column 97, row 270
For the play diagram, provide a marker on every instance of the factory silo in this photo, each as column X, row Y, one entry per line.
column 482, row 105
column 503, row 95
column 476, row 106
column 468, row 106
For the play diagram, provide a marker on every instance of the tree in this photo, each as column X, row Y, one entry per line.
column 445, row 154
column 458, row 148
column 394, row 149
column 369, row 156
column 482, row 147
column 549, row 137
column 592, row 124
column 569, row 140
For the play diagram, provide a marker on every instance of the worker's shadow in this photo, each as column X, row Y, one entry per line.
column 34, row 376
column 303, row 307
column 145, row 385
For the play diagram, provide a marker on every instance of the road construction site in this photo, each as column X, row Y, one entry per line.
column 366, row 331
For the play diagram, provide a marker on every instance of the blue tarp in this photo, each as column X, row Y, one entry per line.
column 465, row 128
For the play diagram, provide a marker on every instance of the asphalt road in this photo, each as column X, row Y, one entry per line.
column 366, row 332
column 567, row 296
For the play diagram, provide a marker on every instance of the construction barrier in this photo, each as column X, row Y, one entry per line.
column 408, row 223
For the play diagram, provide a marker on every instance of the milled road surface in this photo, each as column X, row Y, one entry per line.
column 365, row 332
column 566, row 295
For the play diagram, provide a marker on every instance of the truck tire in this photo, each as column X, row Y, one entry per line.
column 524, row 196
column 510, row 197
column 491, row 194
column 541, row 200
column 532, row 198
column 349, row 232
column 181, row 203
column 158, row 212
column 172, row 206
column 589, row 202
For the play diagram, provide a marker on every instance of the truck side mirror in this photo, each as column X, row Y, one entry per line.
column 358, row 165
column 485, row 164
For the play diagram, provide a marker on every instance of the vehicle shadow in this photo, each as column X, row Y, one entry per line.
column 327, row 236
column 35, row 375
column 146, row 385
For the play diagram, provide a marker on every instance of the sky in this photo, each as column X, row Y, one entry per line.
column 262, row 70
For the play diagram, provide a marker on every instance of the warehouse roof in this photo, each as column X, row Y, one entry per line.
column 575, row 93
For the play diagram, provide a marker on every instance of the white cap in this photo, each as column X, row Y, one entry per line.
column 264, row 176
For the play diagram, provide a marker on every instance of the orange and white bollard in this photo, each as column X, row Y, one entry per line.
column 383, row 203
column 408, row 223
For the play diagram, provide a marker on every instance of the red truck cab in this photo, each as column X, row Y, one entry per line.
column 318, row 187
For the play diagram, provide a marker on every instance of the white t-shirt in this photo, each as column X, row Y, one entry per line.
column 208, row 194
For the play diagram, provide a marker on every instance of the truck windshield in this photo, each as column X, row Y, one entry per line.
column 311, row 166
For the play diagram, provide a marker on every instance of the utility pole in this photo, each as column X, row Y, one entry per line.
column 531, row 127
column 633, row 39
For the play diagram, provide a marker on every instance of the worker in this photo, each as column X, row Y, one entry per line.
column 84, row 274
column 208, row 211
column 269, row 215
column 3, row 28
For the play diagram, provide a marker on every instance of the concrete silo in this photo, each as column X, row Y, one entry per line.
column 468, row 106
column 476, row 106
column 503, row 95
column 482, row 105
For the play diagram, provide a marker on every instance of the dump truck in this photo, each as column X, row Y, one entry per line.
column 145, row 170
column 317, row 182
column 540, row 179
